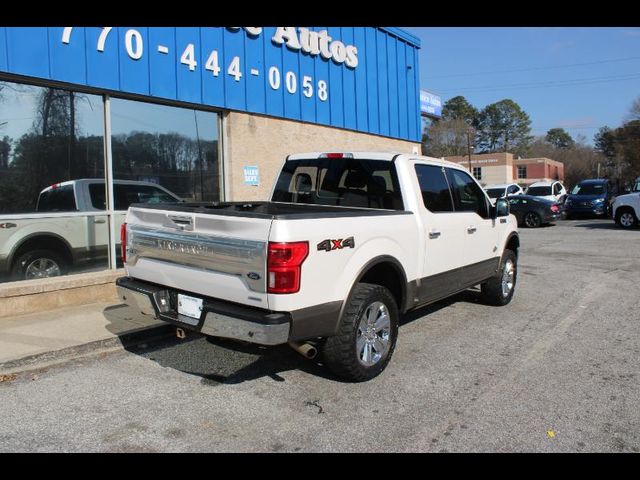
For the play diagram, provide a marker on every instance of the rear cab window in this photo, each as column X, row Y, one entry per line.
column 343, row 182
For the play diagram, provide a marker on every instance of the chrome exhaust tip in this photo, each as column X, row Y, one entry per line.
column 305, row 349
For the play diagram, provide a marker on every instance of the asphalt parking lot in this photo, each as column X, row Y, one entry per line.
column 557, row 370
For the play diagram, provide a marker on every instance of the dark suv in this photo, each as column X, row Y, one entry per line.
column 589, row 197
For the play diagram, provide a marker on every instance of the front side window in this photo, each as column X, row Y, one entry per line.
column 477, row 173
column 125, row 195
column 434, row 188
column 513, row 189
column 467, row 194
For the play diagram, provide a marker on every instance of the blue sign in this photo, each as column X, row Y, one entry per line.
column 252, row 176
column 359, row 78
column 430, row 104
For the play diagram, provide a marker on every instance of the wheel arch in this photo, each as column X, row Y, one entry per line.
column 41, row 241
column 387, row 272
column 512, row 243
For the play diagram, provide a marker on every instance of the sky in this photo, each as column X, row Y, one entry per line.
column 579, row 79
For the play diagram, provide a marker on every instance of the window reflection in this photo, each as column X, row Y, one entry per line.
column 174, row 148
column 51, row 143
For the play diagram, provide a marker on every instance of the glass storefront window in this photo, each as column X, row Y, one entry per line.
column 171, row 147
column 54, row 216
column 51, row 146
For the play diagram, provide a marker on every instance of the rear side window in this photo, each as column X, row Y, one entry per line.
column 344, row 182
column 513, row 189
column 467, row 194
column 434, row 188
column 97, row 194
column 58, row 199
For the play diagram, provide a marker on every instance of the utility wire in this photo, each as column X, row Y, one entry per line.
column 549, row 67
column 558, row 83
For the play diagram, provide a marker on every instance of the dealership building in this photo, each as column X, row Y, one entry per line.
column 95, row 118
column 501, row 168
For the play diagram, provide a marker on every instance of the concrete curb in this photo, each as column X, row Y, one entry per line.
column 121, row 342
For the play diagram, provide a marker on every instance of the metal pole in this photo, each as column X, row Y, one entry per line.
column 109, row 183
column 469, row 150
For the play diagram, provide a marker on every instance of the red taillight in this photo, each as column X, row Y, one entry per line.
column 284, row 262
column 123, row 242
column 555, row 209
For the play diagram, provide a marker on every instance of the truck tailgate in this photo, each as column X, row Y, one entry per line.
column 213, row 255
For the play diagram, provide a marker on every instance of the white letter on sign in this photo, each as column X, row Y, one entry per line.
column 288, row 33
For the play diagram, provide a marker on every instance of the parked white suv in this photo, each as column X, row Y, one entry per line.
column 69, row 228
column 502, row 190
column 554, row 191
column 348, row 243
column 625, row 209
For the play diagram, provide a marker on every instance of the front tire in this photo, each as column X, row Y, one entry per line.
column 366, row 337
column 499, row 289
column 626, row 218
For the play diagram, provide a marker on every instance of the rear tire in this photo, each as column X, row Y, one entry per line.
column 38, row 264
column 366, row 337
column 499, row 289
column 532, row 220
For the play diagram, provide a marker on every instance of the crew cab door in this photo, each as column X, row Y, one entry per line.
column 481, row 233
column 443, row 240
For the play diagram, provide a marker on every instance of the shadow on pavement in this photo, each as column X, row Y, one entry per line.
column 220, row 361
column 610, row 225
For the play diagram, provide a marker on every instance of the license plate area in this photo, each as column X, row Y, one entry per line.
column 189, row 308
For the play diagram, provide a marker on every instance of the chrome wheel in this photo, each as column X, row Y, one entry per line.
column 508, row 277
column 374, row 333
column 627, row 219
column 42, row 268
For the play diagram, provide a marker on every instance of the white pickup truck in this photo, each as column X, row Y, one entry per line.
column 348, row 243
column 69, row 228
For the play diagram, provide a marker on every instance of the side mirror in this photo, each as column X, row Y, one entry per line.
column 501, row 208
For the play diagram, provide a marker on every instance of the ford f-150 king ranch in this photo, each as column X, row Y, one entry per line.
column 348, row 243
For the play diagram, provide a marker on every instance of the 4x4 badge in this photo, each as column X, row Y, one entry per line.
column 329, row 245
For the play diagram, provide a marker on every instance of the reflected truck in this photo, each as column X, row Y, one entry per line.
column 69, row 230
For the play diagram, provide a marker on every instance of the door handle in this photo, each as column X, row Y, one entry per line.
column 99, row 220
column 471, row 229
column 434, row 234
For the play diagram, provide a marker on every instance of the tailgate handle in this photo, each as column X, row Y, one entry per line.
column 186, row 223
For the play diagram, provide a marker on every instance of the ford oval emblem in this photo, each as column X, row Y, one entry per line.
column 253, row 275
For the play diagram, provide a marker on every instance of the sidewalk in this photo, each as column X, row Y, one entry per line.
column 27, row 341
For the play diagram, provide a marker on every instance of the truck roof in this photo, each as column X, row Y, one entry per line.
column 97, row 180
column 371, row 155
